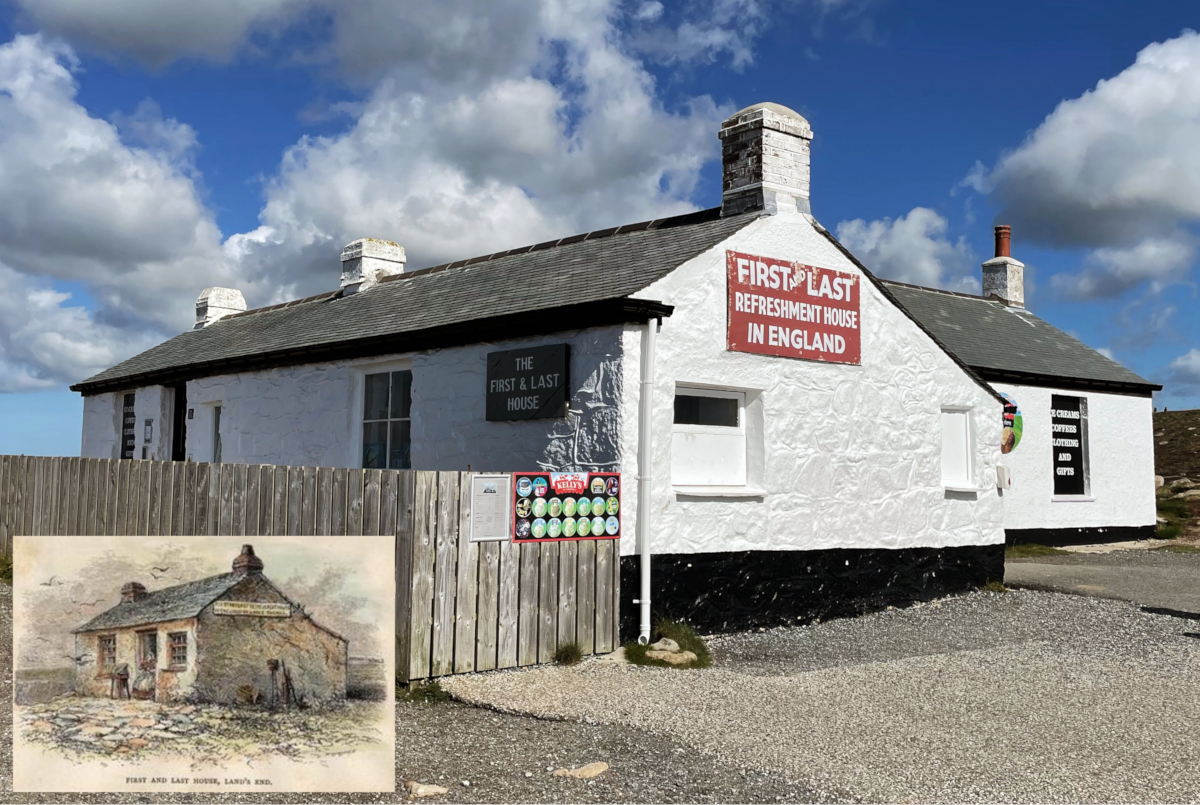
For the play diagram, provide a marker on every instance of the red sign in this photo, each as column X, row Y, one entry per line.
column 792, row 310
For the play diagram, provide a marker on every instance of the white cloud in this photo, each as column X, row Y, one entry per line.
column 1115, row 170
column 912, row 248
column 1185, row 370
column 1106, row 352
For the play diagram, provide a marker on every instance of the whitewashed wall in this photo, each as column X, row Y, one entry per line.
column 1120, row 455
column 102, row 423
column 312, row 415
column 851, row 454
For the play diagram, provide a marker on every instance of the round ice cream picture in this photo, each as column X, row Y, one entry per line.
column 524, row 507
column 569, row 507
column 611, row 487
column 522, row 529
column 597, row 486
column 554, row 527
column 612, row 525
column 539, row 528
column 568, row 527
column 539, row 487
column 556, row 508
column 539, row 507
column 585, row 526
column 612, row 505
column 524, row 487
column 597, row 525
column 584, row 507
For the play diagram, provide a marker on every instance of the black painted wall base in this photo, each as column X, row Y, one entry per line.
column 1077, row 536
column 725, row 592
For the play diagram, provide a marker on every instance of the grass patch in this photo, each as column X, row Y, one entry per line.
column 1168, row 531
column 682, row 634
column 568, row 654
column 427, row 692
column 1031, row 549
column 6, row 570
column 1177, row 515
column 1177, row 548
column 995, row 587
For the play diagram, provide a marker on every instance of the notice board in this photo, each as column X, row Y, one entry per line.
column 792, row 310
column 556, row 506
column 1068, row 439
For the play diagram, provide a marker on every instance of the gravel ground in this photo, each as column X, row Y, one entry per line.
column 1119, row 559
column 449, row 743
column 1018, row 697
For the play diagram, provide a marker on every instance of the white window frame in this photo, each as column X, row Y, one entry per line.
column 712, row 430
column 358, row 401
column 954, row 485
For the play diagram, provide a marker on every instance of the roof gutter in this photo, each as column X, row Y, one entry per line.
column 1067, row 383
column 621, row 310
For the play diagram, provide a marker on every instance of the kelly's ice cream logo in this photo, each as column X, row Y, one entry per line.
column 792, row 310
column 569, row 483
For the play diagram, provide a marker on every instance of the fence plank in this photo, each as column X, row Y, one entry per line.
column 405, row 506
column 27, row 494
column 370, row 504
column 488, row 598
column 567, row 553
column 466, row 581
column 154, row 503
column 604, row 608
column 307, row 508
column 237, row 525
column 6, row 511
column 295, row 502
column 585, row 596
column 121, row 516
column 97, row 484
column 388, row 486
column 279, row 502
column 444, row 580
column 200, row 501
column 547, row 601
column 174, row 525
column 337, row 509
column 71, row 526
column 64, row 499
column 507, row 607
column 143, row 510
column 354, row 502
column 616, row 595
column 421, row 604
column 225, row 503
column 250, row 500
column 324, row 501
column 266, row 498
column 527, row 605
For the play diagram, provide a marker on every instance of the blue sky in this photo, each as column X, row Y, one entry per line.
column 149, row 150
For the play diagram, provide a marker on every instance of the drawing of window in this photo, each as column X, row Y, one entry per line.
column 178, row 648
column 108, row 652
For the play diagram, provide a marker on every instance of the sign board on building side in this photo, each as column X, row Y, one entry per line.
column 1068, row 440
column 792, row 310
column 556, row 506
column 528, row 383
column 257, row 609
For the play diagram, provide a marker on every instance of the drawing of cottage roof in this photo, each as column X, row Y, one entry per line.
column 167, row 604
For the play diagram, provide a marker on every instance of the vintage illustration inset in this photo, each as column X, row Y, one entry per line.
column 204, row 664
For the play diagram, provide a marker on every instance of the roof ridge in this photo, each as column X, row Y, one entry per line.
column 976, row 297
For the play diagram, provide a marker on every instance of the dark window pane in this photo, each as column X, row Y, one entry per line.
column 695, row 410
column 398, row 458
column 401, row 394
column 376, row 399
column 375, row 445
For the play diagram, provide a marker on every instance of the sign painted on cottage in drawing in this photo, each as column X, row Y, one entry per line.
column 257, row 609
column 529, row 383
column 792, row 310
column 556, row 506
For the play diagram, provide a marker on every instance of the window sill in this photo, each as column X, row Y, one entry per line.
column 1072, row 499
column 719, row 492
column 956, row 488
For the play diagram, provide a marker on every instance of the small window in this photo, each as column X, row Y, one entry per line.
column 1069, row 443
column 956, row 449
column 387, row 421
column 107, row 652
column 708, row 440
column 216, row 434
column 178, row 644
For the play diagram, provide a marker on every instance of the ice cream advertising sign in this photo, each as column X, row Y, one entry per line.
column 792, row 310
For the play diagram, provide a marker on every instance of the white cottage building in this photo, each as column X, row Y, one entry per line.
column 810, row 445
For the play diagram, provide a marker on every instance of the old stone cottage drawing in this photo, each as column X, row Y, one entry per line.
column 233, row 638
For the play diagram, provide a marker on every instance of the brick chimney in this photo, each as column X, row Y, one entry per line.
column 764, row 151
column 247, row 563
column 132, row 591
column 1003, row 276
column 368, row 260
column 215, row 304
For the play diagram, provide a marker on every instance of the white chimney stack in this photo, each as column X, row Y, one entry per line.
column 765, row 151
column 368, row 260
column 1002, row 275
column 215, row 304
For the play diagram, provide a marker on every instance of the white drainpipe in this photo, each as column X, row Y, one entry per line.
column 645, row 443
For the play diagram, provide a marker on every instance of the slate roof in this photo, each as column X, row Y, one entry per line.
column 167, row 604
column 1001, row 342
column 570, row 276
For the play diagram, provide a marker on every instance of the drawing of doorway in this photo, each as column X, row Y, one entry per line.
column 145, row 682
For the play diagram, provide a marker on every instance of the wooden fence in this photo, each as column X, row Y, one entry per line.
column 460, row 605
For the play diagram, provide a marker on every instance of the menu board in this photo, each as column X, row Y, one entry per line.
column 1068, row 426
column 490, row 500
column 557, row 506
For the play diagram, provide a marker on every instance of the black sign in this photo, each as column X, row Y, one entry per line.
column 1068, row 439
column 558, row 506
column 528, row 383
column 128, row 427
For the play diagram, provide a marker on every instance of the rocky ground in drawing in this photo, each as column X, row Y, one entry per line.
column 205, row 734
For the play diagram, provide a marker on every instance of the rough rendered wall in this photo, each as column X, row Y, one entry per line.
column 850, row 455
column 171, row 684
column 312, row 415
column 101, row 427
column 234, row 649
column 1121, row 459
column 102, row 423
